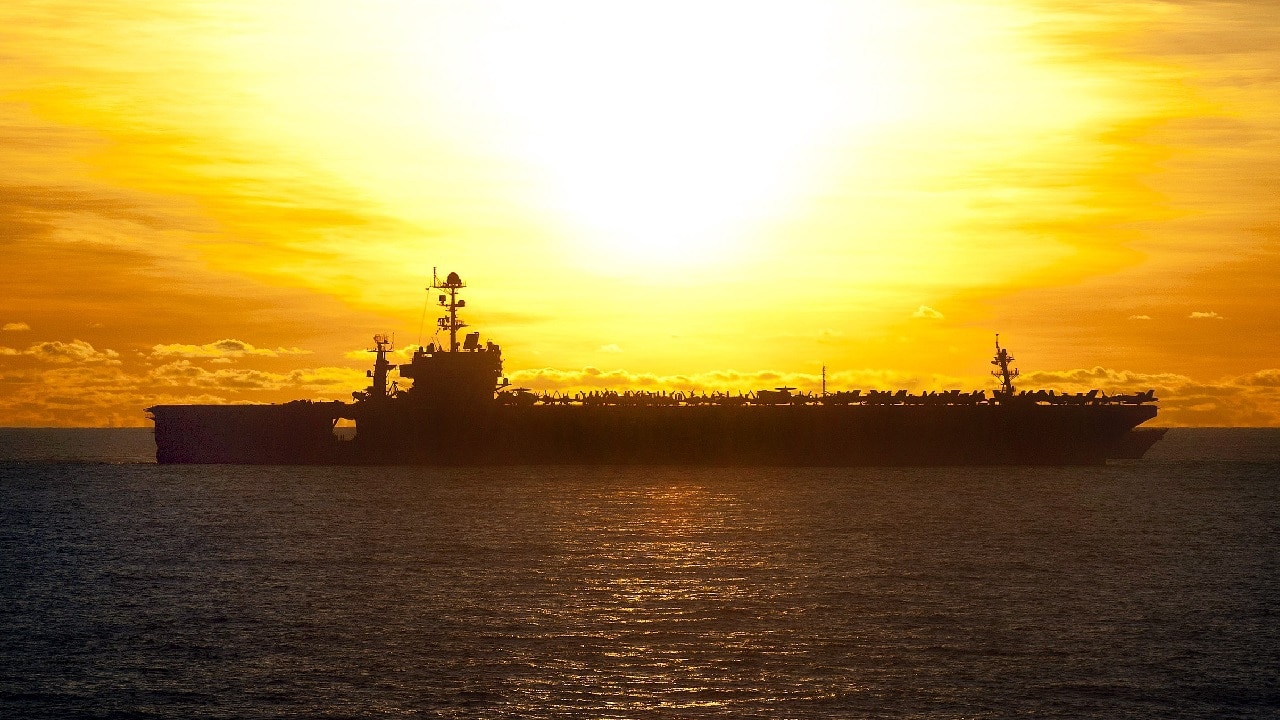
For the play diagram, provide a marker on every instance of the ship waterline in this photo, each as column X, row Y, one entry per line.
column 460, row 411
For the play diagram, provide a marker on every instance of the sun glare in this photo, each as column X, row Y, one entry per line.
column 663, row 135
column 635, row 140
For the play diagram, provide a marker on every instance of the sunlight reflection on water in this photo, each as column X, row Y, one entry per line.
column 1139, row 589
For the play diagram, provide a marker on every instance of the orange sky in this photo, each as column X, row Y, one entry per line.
column 222, row 201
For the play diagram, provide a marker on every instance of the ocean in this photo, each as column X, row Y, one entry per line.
column 1142, row 589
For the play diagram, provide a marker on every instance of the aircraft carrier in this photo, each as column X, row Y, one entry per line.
column 460, row 410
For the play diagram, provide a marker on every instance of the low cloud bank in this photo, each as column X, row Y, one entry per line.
column 228, row 348
column 591, row 378
column 1252, row 399
column 73, row 383
column 1239, row 400
column 56, row 383
column 109, row 395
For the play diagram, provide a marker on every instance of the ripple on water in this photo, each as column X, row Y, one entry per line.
column 1139, row 590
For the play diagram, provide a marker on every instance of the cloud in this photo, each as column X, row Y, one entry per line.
column 724, row 380
column 610, row 348
column 1205, row 316
column 404, row 353
column 1100, row 378
column 1139, row 317
column 1238, row 400
column 1252, row 399
column 15, row 327
column 85, row 386
column 31, row 211
column 87, row 395
column 927, row 313
column 56, row 351
column 181, row 373
column 586, row 378
column 1263, row 378
column 78, row 385
column 221, row 349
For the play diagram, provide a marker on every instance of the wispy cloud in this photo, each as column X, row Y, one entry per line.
column 1205, row 316
column 927, row 313
column 222, row 349
column 15, row 327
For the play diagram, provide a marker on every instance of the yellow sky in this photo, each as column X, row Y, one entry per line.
column 221, row 201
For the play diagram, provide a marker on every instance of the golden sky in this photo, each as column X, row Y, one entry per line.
column 221, row 201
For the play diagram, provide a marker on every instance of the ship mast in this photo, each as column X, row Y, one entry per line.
column 382, row 345
column 450, row 302
column 1005, row 373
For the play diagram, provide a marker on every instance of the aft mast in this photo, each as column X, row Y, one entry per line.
column 1005, row 373
column 378, row 390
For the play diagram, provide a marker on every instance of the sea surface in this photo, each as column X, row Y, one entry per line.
column 1143, row 589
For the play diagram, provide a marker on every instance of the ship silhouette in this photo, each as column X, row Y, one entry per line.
column 460, row 410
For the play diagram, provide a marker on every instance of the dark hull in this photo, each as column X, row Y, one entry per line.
column 801, row 435
column 1136, row 443
column 290, row 434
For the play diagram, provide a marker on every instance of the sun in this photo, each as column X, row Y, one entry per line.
column 627, row 141
column 665, row 135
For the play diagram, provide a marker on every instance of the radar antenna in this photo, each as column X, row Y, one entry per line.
column 449, row 300
column 1005, row 373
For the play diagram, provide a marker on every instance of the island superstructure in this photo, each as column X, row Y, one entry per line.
column 460, row 410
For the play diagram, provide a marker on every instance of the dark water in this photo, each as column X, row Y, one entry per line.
column 1142, row 589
